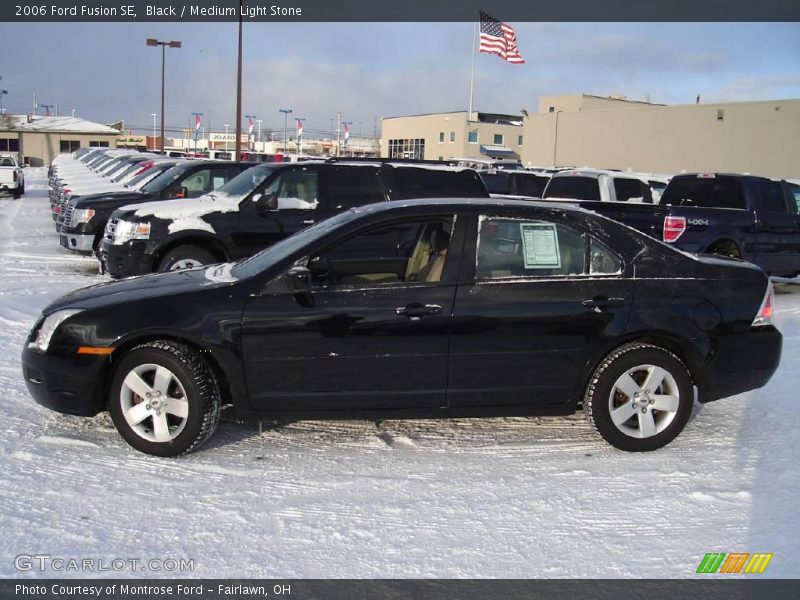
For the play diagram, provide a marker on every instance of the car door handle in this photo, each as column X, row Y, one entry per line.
column 416, row 310
column 599, row 302
column 308, row 222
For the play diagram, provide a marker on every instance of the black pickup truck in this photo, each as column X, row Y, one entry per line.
column 742, row 216
column 85, row 217
column 263, row 205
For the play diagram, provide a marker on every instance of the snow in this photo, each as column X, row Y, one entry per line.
column 506, row 497
column 190, row 223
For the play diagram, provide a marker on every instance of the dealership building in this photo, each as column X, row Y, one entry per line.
column 761, row 137
column 38, row 139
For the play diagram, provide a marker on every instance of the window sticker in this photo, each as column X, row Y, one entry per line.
column 540, row 245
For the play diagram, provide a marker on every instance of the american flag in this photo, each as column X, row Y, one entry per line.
column 196, row 123
column 498, row 38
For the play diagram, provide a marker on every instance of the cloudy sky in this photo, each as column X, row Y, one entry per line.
column 106, row 73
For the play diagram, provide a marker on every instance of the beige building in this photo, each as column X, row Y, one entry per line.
column 39, row 139
column 761, row 137
column 445, row 136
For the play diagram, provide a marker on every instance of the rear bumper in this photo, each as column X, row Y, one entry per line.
column 742, row 362
column 70, row 384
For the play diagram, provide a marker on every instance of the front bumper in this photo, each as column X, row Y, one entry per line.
column 126, row 260
column 78, row 242
column 742, row 362
column 67, row 383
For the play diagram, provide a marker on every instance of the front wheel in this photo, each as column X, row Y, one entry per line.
column 639, row 398
column 185, row 257
column 164, row 400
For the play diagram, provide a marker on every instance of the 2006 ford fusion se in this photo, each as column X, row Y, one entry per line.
column 443, row 308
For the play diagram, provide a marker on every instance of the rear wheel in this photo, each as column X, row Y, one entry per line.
column 164, row 400
column 17, row 193
column 639, row 398
column 725, row 248
column 185, row 257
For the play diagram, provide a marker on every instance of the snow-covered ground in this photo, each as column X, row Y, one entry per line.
column 512, row 498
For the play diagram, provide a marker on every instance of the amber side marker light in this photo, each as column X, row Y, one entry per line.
column 95, row 351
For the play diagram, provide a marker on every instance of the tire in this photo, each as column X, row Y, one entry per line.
column 654, row 419
column 185, row 257
column 725, row 248
column 22, row 191
column 17, row 194
column 188, row 417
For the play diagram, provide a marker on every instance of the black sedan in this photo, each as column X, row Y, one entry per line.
column 416, row 309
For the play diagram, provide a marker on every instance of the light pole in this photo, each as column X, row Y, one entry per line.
column 173, row 44
column 2, row 93
column 47, row 107
column 154, row 115
column 250, row 119
column 259, row 129
column 286, row 112
column 226, row 136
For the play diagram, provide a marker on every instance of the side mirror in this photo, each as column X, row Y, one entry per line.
column 272, row 202
column 297, row 282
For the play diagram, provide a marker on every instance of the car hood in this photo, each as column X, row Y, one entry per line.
column 146, row 287
column 183, row 208
column 93, row 200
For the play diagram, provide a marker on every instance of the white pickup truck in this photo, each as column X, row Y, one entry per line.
column 12, row 177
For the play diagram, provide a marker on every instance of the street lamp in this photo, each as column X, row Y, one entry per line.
column 154, row 115
column 47, row 107
column 226, row 136
column 259, row 129
column 286, row 112
column 250, row 118
column 173, row 44
column 2, row 93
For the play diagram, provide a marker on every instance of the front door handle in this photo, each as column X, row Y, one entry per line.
column 599, row 302
column 416, row 310
column 309, row 222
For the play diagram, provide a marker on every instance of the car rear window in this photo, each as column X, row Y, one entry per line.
column 530, row 185
column 580, row 188
column 497, row 183
column 711, row 192
column 630, row 190
column 414, row 182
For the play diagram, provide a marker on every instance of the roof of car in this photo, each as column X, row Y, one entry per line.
column 473, row 204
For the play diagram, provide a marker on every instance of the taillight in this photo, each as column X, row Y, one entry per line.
column 765, row 312
column 673, row 228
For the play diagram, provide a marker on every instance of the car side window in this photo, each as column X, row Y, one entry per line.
column 294, row 188
column 602, row 261
column 772, row 197
column 401, row 252
column 353, row 186
column 197, row 184
column 631, row 190
column 526, row 248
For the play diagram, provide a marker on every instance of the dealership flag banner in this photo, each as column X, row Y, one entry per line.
column 197, row 120
column 499, row 38
column 299, row 129
column 250, row 125
column 346, row 134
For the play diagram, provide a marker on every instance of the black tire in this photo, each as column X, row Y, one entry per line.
column 635, row 434
column 177, row 258
column 17, row 194
column 725, row 248
column 22, row 191
column 191, row 388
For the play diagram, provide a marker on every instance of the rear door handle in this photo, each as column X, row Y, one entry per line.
column 599, row 302
column 308, row 222
column 416, row 310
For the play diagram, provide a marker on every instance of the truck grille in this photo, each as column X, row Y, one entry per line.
column 111, row 227
column 67, row 214
column 62, row 206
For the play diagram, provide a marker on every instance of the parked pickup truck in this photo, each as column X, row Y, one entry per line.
column 741, row 216
column 12, row 177
column 84, row 218
column 265, row 204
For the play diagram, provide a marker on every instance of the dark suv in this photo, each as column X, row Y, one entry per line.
column 263, row 205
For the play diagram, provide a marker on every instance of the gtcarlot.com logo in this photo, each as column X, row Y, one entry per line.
column 47, row 562
column 734, row 562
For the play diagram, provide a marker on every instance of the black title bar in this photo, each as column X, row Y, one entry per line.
column 397, row 10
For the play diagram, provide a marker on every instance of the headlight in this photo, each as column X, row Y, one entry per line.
column 48, row 328
column 80, row 215
column 126, row 231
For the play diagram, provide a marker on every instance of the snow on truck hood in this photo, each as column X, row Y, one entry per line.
column 186, row 208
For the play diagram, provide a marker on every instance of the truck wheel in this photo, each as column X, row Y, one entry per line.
column 725, row 248
column 639, row 398
column 17, row 194
column 185, row 257
column 164, row 400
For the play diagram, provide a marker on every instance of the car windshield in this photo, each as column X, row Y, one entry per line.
column 246, row 181
column 148, row 174
column 160, row 183
column 288, row 246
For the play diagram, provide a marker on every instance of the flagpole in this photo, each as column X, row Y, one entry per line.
column 472, row 68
